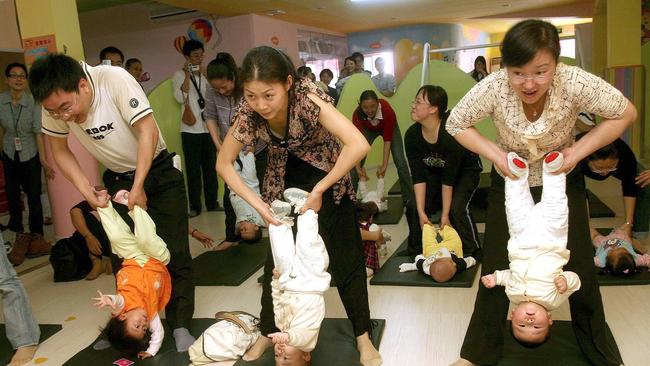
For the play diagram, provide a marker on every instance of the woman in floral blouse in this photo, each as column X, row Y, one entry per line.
column 303, row 130
column 534, row 102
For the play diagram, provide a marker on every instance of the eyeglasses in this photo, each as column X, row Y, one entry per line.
column 418, row 102
column 604, row 171
column 518, row 78
column 66, row 113
column 17, row 76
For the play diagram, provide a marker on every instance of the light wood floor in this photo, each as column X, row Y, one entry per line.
column 425, row 326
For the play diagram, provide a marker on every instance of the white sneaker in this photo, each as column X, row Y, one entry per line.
column 517, row 165
column 280, row 209
column 553, row 161
column 296, row 197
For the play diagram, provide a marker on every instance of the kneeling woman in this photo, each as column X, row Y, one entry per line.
column 445, row 174
column 303, row 129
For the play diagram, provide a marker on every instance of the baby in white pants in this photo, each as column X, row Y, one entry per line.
column 299, row 280
column 537, row 249
column 376, row 196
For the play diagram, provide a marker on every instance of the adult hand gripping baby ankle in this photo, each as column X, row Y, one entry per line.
column 501, row 164
column 489, row 281
column 137, row 197
column 313, row 202
column 570, row 160
column 267, row 214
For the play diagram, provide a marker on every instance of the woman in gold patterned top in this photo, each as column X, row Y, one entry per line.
column 533, row 103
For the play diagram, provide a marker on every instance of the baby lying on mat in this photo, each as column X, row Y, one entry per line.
column 615, row 252
column 442, row 254
column 535, row 282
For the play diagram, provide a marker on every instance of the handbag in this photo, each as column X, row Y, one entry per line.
column 188, row 116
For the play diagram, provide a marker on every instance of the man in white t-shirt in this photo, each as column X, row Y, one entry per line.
column 190, row 87
column 109, row 114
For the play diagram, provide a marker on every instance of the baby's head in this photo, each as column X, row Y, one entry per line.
column 249, row 231
column 129, row 331
column 442, row 269
column 620, row 262
column 286, row 355
column 366, row 211
column 531, row 323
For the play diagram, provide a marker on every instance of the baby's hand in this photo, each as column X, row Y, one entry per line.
column 276, row 273
column 103, row 301
column 279, row 337
column 142, row 355
column 560, row 284
column 489, row 281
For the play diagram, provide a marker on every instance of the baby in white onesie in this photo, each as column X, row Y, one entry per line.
column 299, row 280
column 535, row 282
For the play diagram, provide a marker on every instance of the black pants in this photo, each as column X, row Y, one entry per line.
column 25, row 175
column 483, row 342
column 460, row 216
column 200, row 162
column 166, row 204
column 231, row 218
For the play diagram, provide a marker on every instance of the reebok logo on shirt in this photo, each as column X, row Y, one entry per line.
column 99, row 133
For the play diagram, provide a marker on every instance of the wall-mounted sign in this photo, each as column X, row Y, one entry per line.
column 38, row 47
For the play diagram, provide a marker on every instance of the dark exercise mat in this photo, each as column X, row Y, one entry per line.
column 336, row 345
column 642, row 277
column 230, row 267
column 7, row 351
column 167, row 356
column 393, row 214
column 561, row 349
column 396, row 189
column 389, row 274
column 598, row 208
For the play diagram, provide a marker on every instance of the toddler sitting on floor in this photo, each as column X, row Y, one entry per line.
column 537, row 251
column 143, row 283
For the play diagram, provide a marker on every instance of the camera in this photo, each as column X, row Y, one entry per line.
column 201, row 103
column 193, row 68
column 106, row 62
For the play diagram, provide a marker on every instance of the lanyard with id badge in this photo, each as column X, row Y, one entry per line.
column 18, row 144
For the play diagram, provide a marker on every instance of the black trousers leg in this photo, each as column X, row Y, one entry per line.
column 231, row 218
column 343, row 242
column 459, row 214
column 167, row 207
column 261, row 160
column 192, row 152
column 12, row 172
column 209, row 172
column 31, row 184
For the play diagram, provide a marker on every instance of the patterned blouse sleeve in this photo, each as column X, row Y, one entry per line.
column 244, row 125
column 477, row 104
column 596, row 95
column 306, row 107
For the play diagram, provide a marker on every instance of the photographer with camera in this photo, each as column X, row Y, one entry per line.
column 190, row 86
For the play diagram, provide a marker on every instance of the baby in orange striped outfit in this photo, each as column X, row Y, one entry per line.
column 143, row 282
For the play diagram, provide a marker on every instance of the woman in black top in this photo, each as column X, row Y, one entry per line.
column 445, row 174
column 618, row 160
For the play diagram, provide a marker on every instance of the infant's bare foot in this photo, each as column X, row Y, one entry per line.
column 23, row 355
column 258, row 349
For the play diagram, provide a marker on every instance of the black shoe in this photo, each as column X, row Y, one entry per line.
column 193, row 213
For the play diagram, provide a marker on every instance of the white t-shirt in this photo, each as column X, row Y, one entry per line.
column 177, row 80
column 118, row 102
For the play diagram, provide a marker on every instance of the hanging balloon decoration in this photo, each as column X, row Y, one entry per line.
column 200, row 30
column 179, row 42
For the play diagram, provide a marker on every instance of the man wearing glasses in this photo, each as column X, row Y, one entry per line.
column 618, row 160
column 110, row 115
